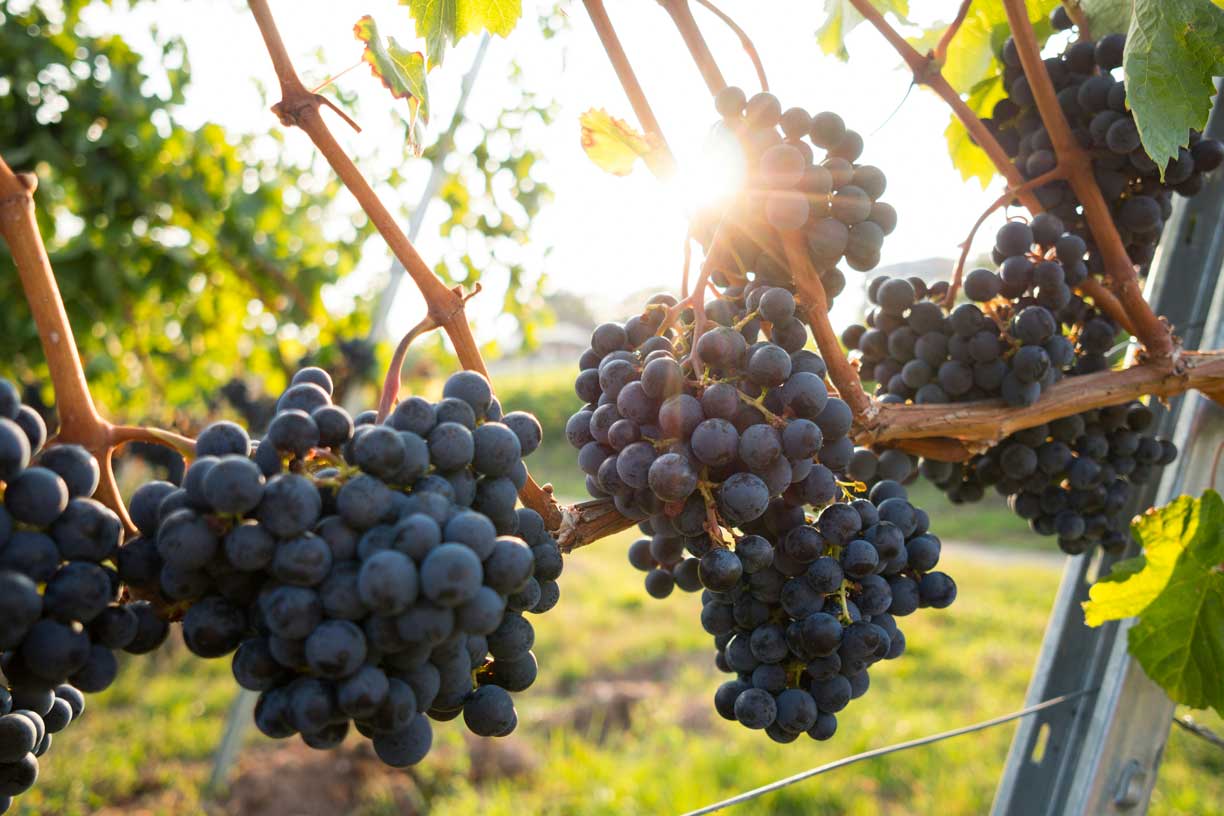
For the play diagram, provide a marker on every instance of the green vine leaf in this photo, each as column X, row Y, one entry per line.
column 1176, row 588
column 967, row 157
column 1173, row 50
column 612, row 144
column 843, row 18
column 1107, row 16
column 401, row 71
column 1111, row 16
column 973, row 67
column 444, row 22
column 973, row 52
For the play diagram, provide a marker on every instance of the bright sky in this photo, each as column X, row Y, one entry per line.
column 608, row 235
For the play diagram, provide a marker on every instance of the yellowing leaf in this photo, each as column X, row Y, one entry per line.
column 495, row 16
column 971, row 53
column 437, row 22
column 444, row 22
column 842, row 19
column 967, row 157
column 613, row 144
column 401, row 71
column 1165, row 533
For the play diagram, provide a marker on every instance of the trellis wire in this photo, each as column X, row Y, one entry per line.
column 889, row 749
column 1200, row 731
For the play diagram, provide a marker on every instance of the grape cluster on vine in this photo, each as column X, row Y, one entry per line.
column 719, row 442
column 834, row 202
column 1138, row 191
column 362, row 573
column 1029, row 330
column 1072, row 477
column 62, row 614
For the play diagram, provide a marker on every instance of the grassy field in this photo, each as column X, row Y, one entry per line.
column 619, row 723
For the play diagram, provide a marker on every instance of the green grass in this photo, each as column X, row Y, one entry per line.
column 620, row 723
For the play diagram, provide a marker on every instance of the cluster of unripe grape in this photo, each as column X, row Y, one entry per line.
column 364, row 573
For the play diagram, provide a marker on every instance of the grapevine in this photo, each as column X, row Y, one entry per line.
column 375, row 571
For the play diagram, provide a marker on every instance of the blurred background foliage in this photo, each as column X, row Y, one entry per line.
column 200, row 267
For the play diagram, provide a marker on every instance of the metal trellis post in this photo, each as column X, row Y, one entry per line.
column 1101, row 755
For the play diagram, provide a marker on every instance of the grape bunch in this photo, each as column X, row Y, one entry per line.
column 717, row 455
column 1094, row 103
column 808, row 605
column 364, row 573
column 750, row 425
column 1029, row 331
column 834, row 202
column 61, row 619
column 1072, row 477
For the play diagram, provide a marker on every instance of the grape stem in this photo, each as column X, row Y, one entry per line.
column 80, row 422
column 682, row 16
column 845, row 603
column 122, row 434
column 940, row 54
column 673, row 313
column 748, row 318
column 1076, row 165
column 665, row 167
column 774, row 420
column 698, row 299
column 1076, row 12
column 336, row 76
column 1001, row 201
column 992, row 420
column 391, row 382
column 926, row 72
column 1106, row 302
column 688, row 261
column 299, row 107
column 713, row 527
column 811, row 291
column 744, row 39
